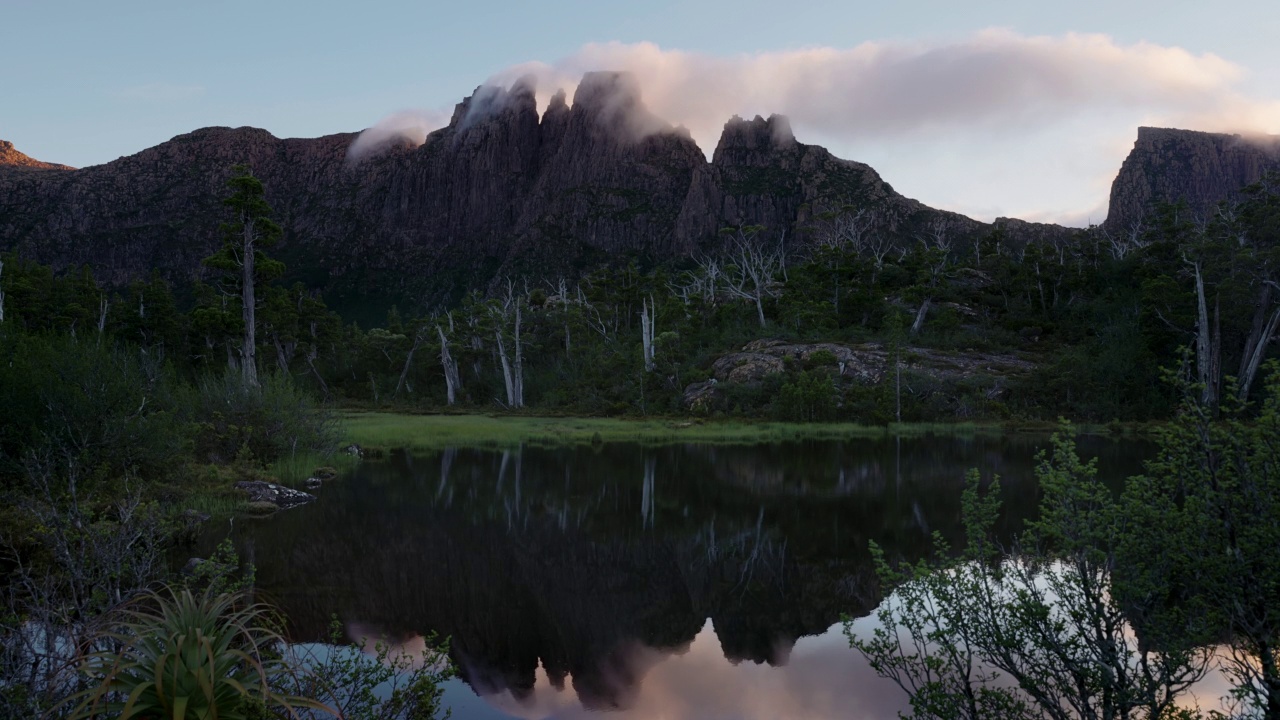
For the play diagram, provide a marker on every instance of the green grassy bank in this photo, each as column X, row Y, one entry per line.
column 387, row 431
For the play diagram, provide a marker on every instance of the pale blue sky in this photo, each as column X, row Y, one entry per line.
column 85, row 82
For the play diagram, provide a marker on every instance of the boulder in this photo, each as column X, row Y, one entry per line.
column 278, row 495
column 312, row 483
column 702, row 396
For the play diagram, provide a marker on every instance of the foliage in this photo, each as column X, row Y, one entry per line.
column 1206, row 513
column 373, row 681
column 1047, row 630
column 186, row 656
column 277, row 420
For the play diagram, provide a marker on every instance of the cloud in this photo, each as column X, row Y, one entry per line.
column 160, row 92
column 986, row 104
column 993, row 81
column 407, row 126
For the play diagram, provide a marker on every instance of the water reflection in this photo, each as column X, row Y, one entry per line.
column 610, row 578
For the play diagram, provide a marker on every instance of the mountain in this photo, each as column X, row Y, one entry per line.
column 10, row 158
column 1200, row 168
column 505, row 191
column 500, row 191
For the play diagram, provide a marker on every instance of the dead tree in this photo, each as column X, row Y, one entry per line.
column 647, row 319
column 512, row 362
column 936, row 243
column 452, row 382
column 752, row 269
column 418, row 338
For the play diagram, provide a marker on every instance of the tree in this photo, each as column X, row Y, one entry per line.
column 1042, row 632
column 242, row 259
column 1207, row 507
column 752, row 268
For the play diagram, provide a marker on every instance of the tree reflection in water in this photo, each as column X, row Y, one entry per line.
column 598, row 567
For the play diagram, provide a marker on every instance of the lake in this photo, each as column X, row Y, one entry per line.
column 676, row 581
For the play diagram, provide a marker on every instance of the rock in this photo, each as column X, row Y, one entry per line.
column 260, row 508
column 1201, row 168
column 601, row 175
column 193, row 517
column 312, row 483
column 324, row 473
column 702, row 396
column 354, row 449
column 277, row 495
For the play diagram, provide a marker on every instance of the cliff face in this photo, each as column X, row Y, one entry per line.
column 1201, row 168
column 503, row 191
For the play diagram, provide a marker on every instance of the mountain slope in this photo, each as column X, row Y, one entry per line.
column 504, row 191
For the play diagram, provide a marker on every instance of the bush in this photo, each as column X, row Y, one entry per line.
column 809, row 397
column 271, row 422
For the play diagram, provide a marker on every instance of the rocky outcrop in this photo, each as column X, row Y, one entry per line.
column 261, row 492
column 1200, row 168
column 864, row 364
column 499, row 191
column 11, row 159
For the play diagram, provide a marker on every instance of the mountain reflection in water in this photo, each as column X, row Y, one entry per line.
column 629, row 578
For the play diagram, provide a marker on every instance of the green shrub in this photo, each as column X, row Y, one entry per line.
column 809, row 397
column 274, row 421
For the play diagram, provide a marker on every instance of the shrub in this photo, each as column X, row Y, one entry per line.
column 274, row 421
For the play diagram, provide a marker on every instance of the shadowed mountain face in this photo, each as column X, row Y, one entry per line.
column 500, row 190
column 504, row 191
column 1200, row 168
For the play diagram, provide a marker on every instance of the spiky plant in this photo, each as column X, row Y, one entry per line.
column 187, row 657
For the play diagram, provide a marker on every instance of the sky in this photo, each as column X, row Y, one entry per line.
column 1021, row 109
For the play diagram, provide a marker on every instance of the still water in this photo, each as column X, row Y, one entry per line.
column 681, row 581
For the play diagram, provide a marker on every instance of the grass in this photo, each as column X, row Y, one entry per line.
column 390, row 431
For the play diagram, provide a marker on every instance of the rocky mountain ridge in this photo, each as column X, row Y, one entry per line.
column 506, row 191
column 10, row 158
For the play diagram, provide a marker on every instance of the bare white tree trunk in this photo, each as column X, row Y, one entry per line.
column 647, row 318
column 751, row 276
column 506, row 368
column 103, row 305
column 918, row 324
column 519, row 364
column 451, row 382
column 1207, row 345
column 1260, row 336
column 408, row 360
column 249, row 304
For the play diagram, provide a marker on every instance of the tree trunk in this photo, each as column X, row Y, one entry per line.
column 408, row 360
column 519, row 364
column 311, row 363
column 646, row 336
column 759, row 309
column 918, row 325
column 1260, row 335
column 1205, row 346
column 506, row 368
column 249, row 346
column 451, row 381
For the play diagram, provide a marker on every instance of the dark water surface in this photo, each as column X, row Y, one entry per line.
column 683, row 581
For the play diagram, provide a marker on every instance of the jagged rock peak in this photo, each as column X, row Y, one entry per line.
column 558, row 102
column 612, row 100
column 744, row 140
column 490, row 100
column 11, row 157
